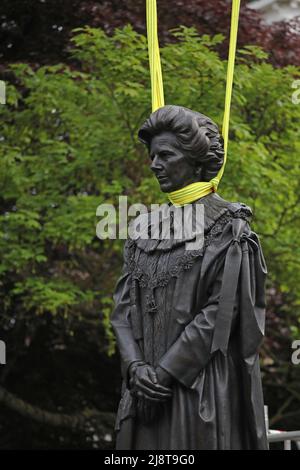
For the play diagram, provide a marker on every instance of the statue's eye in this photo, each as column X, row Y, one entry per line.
column 165, row 153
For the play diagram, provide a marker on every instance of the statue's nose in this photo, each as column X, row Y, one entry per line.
column 155, row 164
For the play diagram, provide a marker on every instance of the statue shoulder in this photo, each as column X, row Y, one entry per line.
column 235, row 208
column 225, row 221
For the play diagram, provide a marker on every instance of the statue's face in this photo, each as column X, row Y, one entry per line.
column 170, row 164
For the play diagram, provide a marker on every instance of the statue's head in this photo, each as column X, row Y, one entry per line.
column 184, row 146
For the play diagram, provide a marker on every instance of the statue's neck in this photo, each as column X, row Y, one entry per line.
column 190, row 193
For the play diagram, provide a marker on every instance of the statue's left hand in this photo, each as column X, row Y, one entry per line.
column 144, row 382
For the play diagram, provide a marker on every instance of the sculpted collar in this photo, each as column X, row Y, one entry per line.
column 148, row 229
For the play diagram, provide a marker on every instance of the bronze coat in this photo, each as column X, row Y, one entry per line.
column 200, row 316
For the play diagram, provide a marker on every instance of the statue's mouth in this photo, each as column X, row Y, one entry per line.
column 161, row 177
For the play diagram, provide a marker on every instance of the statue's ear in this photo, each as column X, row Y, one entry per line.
column 198, row 172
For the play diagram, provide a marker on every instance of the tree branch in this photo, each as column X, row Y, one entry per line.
column 79, row 421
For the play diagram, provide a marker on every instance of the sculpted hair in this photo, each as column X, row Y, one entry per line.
column 196, row 133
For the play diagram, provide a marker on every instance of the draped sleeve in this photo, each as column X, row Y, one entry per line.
column 121, row 320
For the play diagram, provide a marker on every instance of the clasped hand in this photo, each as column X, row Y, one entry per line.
column 152, row 384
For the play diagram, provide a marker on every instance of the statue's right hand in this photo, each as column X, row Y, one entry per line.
column 144, row 383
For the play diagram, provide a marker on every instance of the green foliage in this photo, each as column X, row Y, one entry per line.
column 49, row 296
column 69, row 143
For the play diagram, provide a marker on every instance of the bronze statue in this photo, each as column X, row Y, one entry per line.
column 189, row 323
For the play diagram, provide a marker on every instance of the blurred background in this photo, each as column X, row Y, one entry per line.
column 78, row 89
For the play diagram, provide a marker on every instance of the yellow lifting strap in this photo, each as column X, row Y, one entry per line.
column 157, row 91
